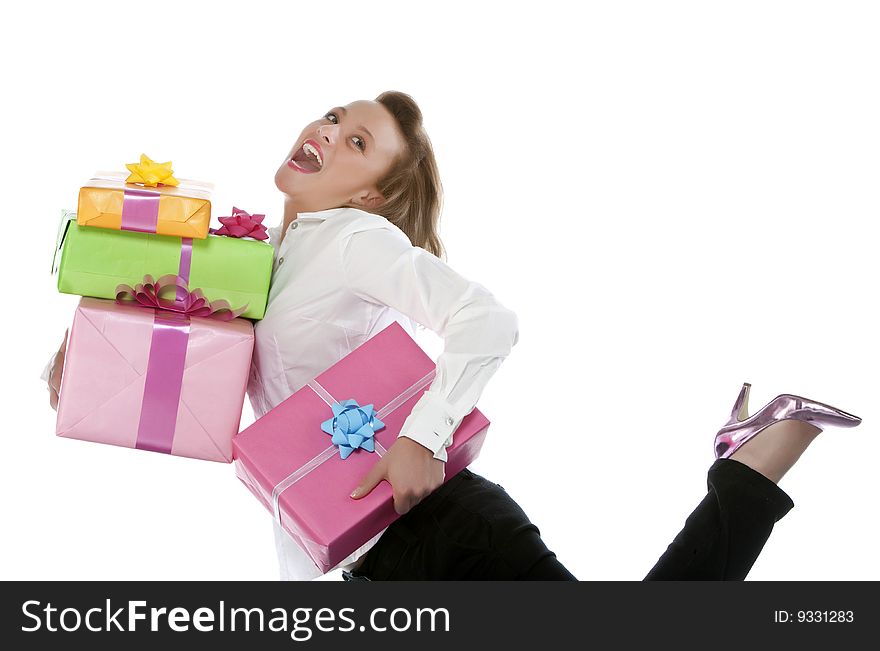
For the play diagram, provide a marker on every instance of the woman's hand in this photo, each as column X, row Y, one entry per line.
column 55, row 374
column 412, row 471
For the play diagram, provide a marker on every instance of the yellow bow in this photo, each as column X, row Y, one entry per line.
column 150, row 173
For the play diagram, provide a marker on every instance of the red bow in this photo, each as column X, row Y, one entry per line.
column 242, row 224
column 191, row 303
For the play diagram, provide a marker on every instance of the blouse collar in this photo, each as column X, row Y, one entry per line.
column 320, row 215
column 317, row 216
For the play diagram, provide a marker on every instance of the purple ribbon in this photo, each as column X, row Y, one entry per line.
column 140, row 210
column 186, row 251
column 168, row 347
column 164, row 382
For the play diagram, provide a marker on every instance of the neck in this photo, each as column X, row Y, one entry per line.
column 291, row 210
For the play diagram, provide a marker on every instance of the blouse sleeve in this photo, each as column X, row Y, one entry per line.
column 379, row 266
column 47, row 369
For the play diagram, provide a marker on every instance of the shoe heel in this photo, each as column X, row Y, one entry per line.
column 740, row 411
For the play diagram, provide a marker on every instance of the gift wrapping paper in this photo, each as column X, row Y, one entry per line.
column 288, row 461
column 95, row 261
column 154, row 380
column 107, row 201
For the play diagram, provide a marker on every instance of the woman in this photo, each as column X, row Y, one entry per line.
column 358, row 248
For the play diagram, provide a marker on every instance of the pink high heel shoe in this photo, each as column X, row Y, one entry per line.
column 741, row 427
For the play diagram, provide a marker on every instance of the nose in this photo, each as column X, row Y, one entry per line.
column 328, row 133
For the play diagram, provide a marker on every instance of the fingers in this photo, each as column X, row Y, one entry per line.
column 403, row 504
column 55, row 378
column 54, row 386
column 376, row 474
column 406, row 500
column 55, row 374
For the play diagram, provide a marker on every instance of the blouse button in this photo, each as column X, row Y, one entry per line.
column 293, row 225
column 449, row 421
column 281, row 261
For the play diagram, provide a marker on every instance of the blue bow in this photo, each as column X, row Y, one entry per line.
column 352, row 426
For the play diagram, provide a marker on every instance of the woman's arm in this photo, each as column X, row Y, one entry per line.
column 478, row 332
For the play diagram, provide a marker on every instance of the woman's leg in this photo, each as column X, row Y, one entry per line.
column 467, row 529
column 724, row 535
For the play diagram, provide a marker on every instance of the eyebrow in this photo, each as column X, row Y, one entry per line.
column 345, row 112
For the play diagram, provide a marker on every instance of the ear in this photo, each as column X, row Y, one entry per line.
column 370, row 199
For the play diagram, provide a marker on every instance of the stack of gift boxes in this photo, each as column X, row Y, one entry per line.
column 160, row 348
column 159, row 351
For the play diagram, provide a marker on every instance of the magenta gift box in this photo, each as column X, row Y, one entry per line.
column 127, row 383
column 287, row 448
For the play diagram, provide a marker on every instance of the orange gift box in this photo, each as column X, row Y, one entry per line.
column 107, row 201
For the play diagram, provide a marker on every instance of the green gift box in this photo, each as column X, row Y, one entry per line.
column 94, row 261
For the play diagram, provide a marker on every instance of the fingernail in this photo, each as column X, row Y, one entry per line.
column 355, row 492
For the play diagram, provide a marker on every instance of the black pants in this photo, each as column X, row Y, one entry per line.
column 471, row 529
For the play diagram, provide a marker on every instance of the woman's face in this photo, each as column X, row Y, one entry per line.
column 339, row 158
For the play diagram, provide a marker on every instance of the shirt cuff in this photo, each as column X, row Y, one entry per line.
column 432, row 423
column 47, row 371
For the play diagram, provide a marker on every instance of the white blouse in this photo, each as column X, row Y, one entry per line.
column 341, row 276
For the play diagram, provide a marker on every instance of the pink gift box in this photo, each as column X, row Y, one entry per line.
column 291, row 466
column 151, row 379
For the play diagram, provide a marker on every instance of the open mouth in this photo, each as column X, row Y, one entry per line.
column 307, row 158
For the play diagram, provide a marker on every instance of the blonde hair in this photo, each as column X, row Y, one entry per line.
column 412, row 189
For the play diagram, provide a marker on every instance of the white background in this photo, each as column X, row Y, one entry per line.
column 674, row 197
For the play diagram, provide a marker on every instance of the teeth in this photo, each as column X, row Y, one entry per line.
column 309, row 149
